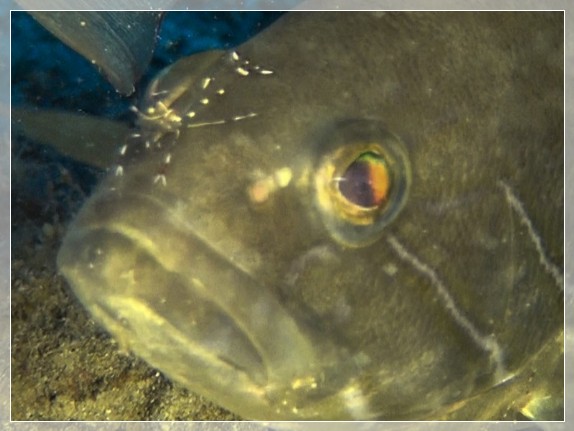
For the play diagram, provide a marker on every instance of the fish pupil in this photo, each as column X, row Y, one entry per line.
column 366, row 181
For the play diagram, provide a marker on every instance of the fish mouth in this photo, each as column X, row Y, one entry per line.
column 166, row 295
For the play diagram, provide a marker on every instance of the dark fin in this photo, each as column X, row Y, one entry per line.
column 91, row 140
column 119, row 43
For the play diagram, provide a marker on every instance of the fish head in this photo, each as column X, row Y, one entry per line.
column 346, row 218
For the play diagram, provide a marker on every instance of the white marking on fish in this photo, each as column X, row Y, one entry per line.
column 243, row 117
column 517, row 206
column 486, row 342
column 174, row 118
column 205, row 83
column 356, row 402
column 242, row 71
column 207, row 123
column 160, row 178
column 158, row 93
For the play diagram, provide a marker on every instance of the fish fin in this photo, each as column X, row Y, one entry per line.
column 120, row 44
column 85, row 138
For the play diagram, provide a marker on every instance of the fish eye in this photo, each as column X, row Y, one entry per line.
column 362, row 179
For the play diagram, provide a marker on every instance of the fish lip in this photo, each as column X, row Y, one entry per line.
column 113, row 226
column 90, row 258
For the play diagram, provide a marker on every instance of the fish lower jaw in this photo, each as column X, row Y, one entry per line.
column 187, row 311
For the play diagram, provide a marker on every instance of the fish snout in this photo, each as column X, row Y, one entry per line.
column 166, row 295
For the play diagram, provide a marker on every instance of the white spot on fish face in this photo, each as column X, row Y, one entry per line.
column 205, row 83
column 241, row 71
column 390, row 269
column 283, row 177
column 160, row 179
column 243, row 117
column 261, row 190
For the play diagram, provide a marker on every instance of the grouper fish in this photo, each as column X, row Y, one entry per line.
column 350, row 216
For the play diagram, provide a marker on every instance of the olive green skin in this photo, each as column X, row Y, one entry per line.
column 453, row 311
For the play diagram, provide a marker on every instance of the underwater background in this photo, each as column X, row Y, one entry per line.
column 64, row 367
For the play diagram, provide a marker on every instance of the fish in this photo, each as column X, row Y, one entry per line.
column 351, row 216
